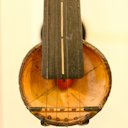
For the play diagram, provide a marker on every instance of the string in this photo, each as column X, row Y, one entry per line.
column 56, row 16
column 67, row 74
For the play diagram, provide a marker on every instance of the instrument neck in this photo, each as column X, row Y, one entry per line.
column 62, row 39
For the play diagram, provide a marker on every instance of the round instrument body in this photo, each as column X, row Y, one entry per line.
column 75, row 105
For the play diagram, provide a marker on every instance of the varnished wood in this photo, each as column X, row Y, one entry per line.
column 89, row 91
column 62, row 40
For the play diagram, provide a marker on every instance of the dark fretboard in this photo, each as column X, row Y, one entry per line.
column 62, row 40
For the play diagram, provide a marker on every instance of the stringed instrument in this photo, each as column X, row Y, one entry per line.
column 64, row 80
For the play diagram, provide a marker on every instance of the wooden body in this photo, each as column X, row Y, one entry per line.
column 76, row 105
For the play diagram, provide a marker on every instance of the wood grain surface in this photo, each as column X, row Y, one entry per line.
column 90, row 91
column 62, row 25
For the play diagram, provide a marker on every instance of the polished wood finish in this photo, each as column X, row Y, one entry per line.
column 75, row 105
column 62, row 40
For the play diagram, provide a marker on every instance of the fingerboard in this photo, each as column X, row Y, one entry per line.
column 62, row 48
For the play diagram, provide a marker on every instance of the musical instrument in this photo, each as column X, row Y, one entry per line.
column 64, row 80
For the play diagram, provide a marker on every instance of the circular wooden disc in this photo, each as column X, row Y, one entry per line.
column 75, row 105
